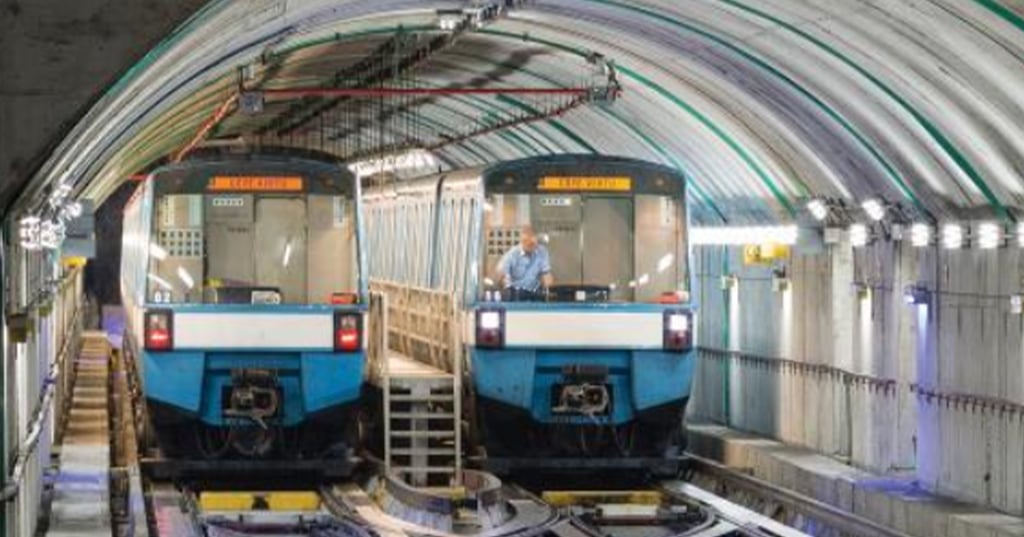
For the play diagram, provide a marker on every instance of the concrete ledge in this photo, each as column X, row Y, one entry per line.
column 895, row 501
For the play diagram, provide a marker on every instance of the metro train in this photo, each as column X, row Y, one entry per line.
column 592, row 369
column 245, row 295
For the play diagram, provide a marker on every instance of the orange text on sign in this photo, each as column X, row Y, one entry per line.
column 574, row 183
column 255, row 183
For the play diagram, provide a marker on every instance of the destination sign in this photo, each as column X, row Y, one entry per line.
column 578, row 183
column 255, row 183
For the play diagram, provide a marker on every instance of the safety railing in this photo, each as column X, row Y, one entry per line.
column 63, row 315
column 422, row 324
column 818, row 406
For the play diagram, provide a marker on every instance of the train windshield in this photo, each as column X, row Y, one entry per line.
column 596, row 247
column 253, row 248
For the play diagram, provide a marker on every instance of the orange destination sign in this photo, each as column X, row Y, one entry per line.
column 577, row 183
column 255, row 183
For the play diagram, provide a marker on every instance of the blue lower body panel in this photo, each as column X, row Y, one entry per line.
column 194, row 382
column 522, row 400
column 195, row 390
column 638, row 379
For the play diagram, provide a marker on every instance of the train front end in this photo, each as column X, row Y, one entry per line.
column 249, row 337
column 594, row 370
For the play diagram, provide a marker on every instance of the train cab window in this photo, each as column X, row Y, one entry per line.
column 252, row 248
column 600, row 247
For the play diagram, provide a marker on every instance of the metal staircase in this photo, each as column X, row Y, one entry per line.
column 422, row 432
column 415, row 362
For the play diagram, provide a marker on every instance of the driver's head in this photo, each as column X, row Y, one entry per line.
column 527, row 239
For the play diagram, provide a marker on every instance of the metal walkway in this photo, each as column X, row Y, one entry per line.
column 81, row 499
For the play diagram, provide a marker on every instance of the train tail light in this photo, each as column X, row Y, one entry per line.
column 678, row 333
column 490, row 328
column 159, row 330
column 348, row 331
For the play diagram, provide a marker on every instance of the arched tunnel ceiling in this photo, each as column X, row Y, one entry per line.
column 763, row 103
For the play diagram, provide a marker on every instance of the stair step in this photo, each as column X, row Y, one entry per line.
column 423, row 451
column 425, row 469
column 422, row 398
column 422, row 415
column 422, row 434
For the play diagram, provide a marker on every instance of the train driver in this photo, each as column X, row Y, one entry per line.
column 525, row 270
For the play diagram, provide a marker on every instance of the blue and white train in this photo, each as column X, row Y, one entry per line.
column 595, row 370
column 245, row 294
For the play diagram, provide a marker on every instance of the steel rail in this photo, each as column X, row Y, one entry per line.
column 836, row 518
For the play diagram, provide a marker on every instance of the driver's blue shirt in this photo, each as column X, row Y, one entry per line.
column 523, row 269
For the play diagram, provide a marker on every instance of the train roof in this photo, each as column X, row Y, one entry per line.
column 320, row 176
column 510, row 176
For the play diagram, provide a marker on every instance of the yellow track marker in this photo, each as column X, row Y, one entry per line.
column 283, row 500
column 565, row 498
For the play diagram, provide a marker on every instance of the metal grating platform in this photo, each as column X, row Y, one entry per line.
column 81, row 491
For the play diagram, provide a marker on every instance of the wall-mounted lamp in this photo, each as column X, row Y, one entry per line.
column 952, row 236
column 874, row 208
column 920, row 235
column 859, row 235
column 1016, row 304
column 818, row 209
column 990, row 235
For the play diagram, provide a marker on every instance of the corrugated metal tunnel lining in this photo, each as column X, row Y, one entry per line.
column 763, row 104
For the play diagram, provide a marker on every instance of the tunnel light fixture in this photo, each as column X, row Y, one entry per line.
column 818, row 209
column 51, row 234
column 952, row 236
column 990, row 235
column 28, row 232
column 874, row 208
column 920, row 235
column 859, row 235
column 744, row 235
column 1020, row 234
column 59, row 194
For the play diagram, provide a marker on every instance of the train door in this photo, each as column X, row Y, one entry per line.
column 280, row 234
column 556, row 220
column 607, row 244
column 229, row 232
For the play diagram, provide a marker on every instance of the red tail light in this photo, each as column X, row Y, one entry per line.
column 490, row 328
column 348, row 333
column 159, row 330
column 678, row 333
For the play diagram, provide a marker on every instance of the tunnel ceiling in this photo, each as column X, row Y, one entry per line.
column 763, row 103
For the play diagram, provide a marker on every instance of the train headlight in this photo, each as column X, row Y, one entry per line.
column 159, row 330
column 490, row 328
column 348, row 331
column 678, row 333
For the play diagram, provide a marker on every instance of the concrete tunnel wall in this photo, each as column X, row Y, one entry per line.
column 57, row 57
column 841, row 364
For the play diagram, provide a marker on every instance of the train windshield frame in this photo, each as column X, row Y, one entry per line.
column 609, row 235
column 229, row 237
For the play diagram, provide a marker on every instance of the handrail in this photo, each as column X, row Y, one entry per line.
column 848, row 377
column 42, row 410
